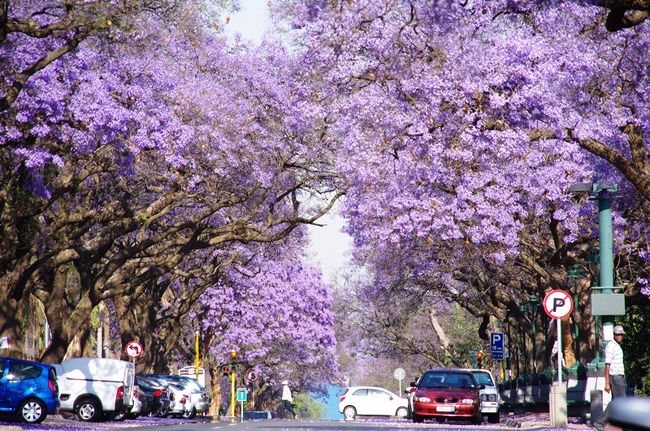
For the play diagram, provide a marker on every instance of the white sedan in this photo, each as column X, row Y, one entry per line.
column 371, row 401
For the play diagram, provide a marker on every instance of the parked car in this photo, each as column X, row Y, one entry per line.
column 371, row 401
column 490, row 398
column 135, row 410
column 96, row 388
column 155, row 393
column 27, row 389
column 447, row 393
column 181, row 397
column 200, row 402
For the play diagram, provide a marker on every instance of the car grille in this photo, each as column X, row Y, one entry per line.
column 441, row 400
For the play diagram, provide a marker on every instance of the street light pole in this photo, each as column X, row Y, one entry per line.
column 602, row 192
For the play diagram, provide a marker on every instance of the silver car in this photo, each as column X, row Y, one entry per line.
column 199, row 400
column 490, row 399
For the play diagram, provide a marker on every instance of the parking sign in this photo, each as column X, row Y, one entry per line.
column 496, row 345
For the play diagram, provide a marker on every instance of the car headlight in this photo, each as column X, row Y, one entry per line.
column 484, row 397
column 468, row 401
column 492, row 397
column 422, row 399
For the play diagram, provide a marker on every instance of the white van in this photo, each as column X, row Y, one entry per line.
column 95, row 388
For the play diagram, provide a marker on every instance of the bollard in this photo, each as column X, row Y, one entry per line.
column 596, row 409
column 558, row 406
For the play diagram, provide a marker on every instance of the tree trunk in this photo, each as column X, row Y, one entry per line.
column 215, row 386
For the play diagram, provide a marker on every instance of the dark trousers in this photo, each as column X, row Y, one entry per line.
column 619, row 389
column 287, row 406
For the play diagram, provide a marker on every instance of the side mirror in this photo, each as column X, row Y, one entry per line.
column 481, row 386
column 630, row 413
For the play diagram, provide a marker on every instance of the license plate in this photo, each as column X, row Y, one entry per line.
column 446, row 409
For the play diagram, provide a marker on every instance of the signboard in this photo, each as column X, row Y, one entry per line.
column 251, row 376
column 558, row 304
column 241, row 394
column 399, row 374
column 134, row 349
column 496, row 345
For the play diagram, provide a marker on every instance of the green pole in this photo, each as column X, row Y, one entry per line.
column 606, row 257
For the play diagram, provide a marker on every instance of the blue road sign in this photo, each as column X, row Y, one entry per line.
column 496, row 345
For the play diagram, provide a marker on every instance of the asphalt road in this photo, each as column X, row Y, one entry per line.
column 57, row 423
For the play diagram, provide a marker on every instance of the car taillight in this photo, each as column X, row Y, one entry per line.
column 53, row 388
column 164, row 391
column 135, row 393
column 342, row 398
column 183, row 401
column 171, row 396
column 413, row 389
column 120, row 392
column 156, row 393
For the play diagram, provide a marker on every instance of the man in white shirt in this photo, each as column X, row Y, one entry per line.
column 287, row 400
column 614, row 372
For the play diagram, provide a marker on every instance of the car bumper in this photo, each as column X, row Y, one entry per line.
column 446, row 410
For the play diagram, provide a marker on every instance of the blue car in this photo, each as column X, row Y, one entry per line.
column 27, row 389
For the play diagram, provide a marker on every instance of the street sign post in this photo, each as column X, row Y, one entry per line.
column 496, row 345
column 558, row 304
column 399, row 374
column 241, row 397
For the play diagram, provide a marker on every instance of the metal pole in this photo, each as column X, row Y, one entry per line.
column 196, row 349
column 241, row 408
column 559, row 352
column 606, row 257
column 232, row 394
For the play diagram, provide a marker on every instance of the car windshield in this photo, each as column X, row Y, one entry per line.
column 483, row 378
column 446, row 379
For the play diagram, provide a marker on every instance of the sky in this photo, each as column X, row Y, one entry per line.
column 330, row 248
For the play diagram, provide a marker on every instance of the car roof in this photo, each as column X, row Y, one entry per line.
column 367, row 387
column 25, row 361
column 453, row 370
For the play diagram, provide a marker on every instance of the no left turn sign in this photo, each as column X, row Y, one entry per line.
column 558, row 304
column 134, row 349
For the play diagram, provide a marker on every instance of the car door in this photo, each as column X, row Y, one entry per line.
column 380, row 402
column 21, row 380
column 360, row 401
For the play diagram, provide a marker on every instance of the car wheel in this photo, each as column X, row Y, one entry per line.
column 89, row 410
column 494, row 418
column 401, row 412
column 32, row 411
column 189, row 414
column 163, row 412
column 478, row 419
column 417, row 418
column 349, row 413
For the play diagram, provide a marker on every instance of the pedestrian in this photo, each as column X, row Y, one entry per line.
column 614, row 373
column 287, row 400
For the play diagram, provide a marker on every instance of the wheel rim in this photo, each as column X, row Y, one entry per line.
column 401, row 413
column 349, row 413
column 87, row 411
column 32, row 411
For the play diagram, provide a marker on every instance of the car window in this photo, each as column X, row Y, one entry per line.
column 375, row 393
column 483, row 378
column 3, row 363
column 446, row 379
column 21, row 371
column 360, row 393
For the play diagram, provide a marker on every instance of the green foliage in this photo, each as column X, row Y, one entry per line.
column 636, row 347
column 94, row 317
column 307, row 407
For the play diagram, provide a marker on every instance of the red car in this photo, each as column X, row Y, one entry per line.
column 447, row 393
